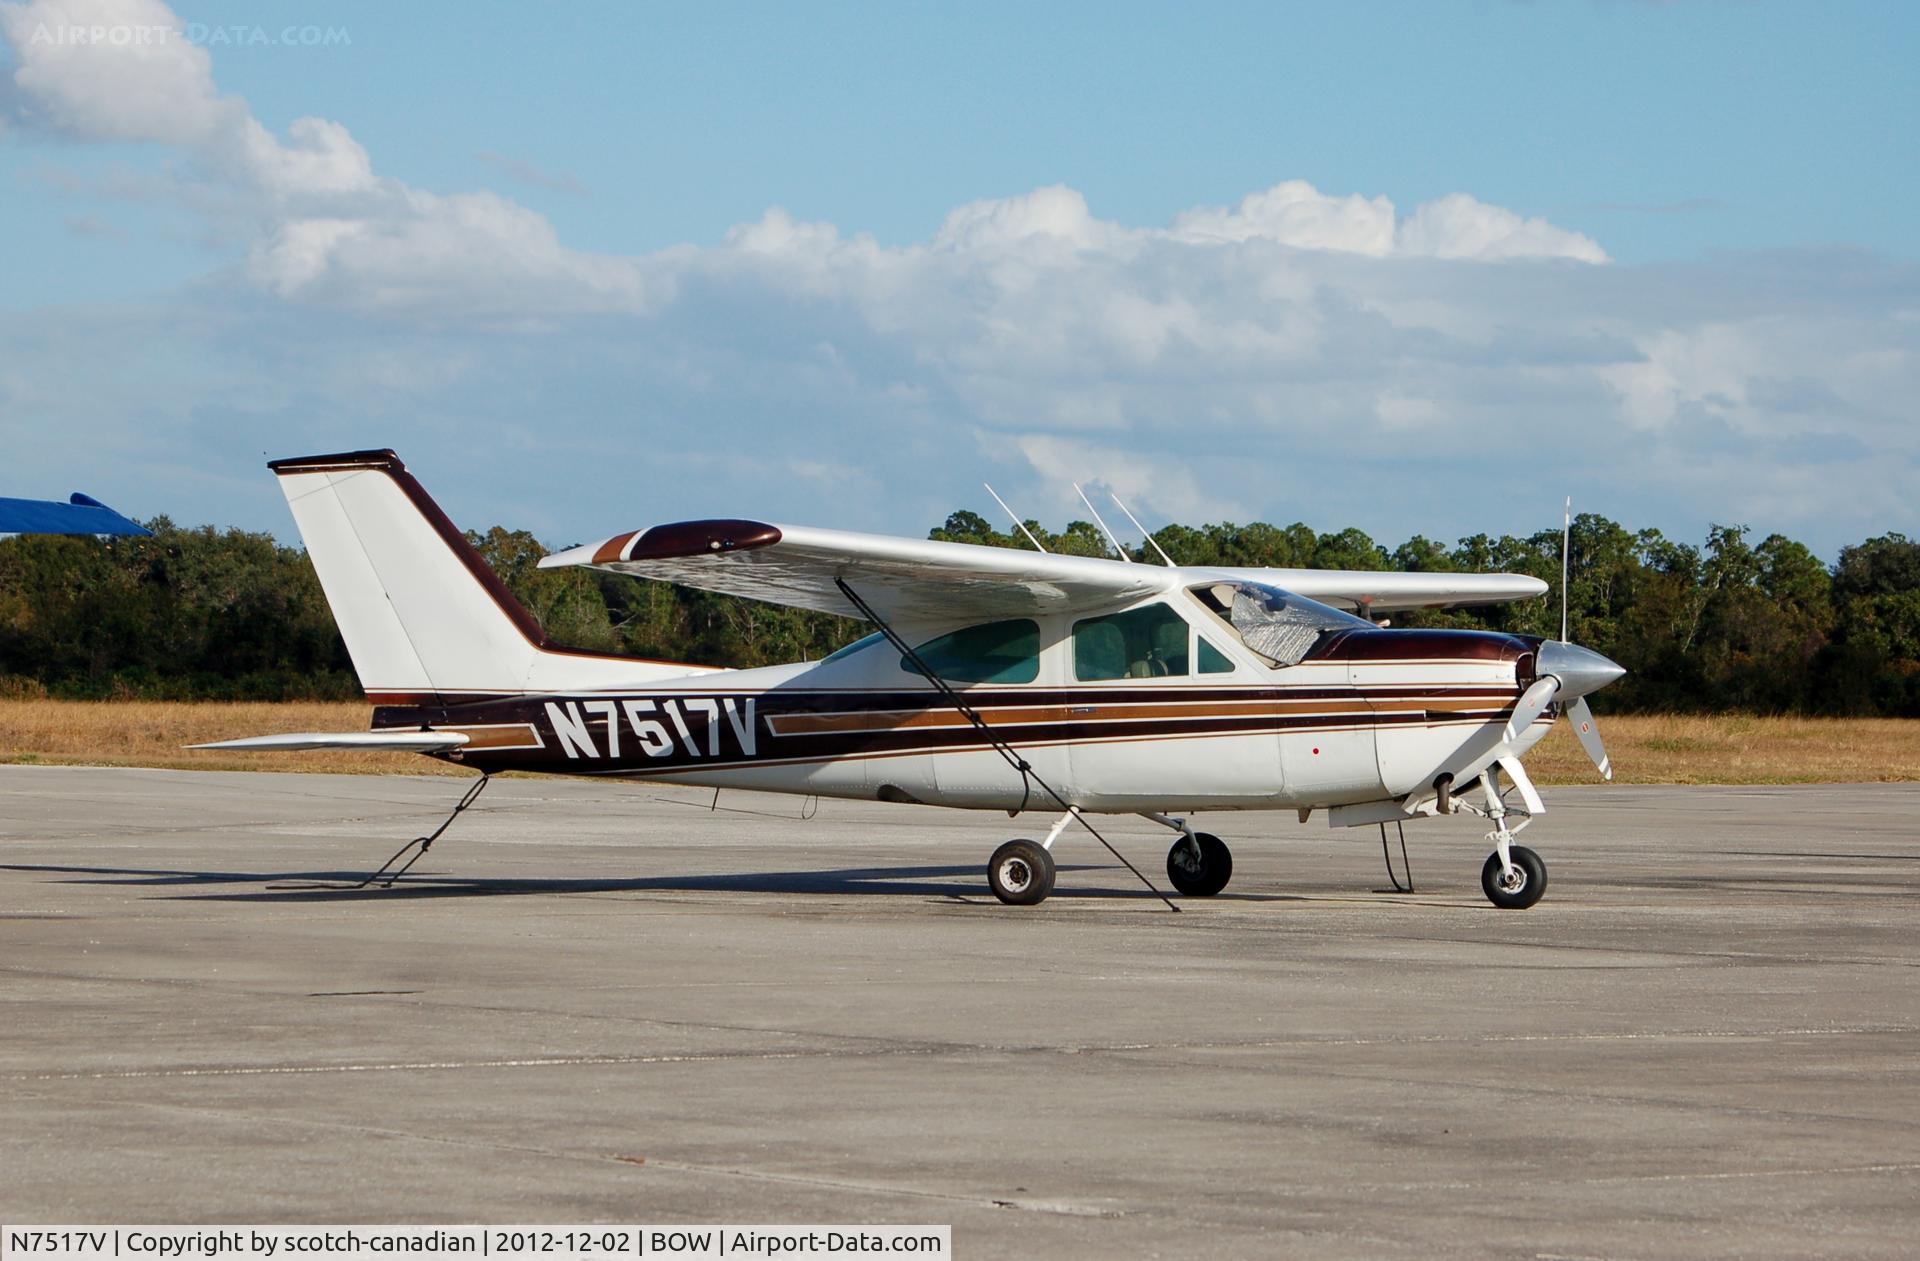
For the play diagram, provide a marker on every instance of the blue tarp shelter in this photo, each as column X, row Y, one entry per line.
column 81, row 514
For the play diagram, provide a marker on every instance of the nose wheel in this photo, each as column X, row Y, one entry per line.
column 1517, row 887
column 1021, row 873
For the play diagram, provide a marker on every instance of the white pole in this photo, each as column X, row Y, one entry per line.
column 1111, row 536
column 1566, row 538
column 1016, row 520
column 1143, row 530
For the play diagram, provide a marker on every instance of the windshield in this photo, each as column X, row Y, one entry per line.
column 856, row 646
column 1279, row 625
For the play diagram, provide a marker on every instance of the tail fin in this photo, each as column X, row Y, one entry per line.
column 424, row 618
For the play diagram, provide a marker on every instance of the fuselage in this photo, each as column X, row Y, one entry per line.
column 1367, row 715
column 997, row 679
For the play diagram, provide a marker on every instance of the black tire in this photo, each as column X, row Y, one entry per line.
column 1021, row 873
column 1209, row 875
column 1530, row 880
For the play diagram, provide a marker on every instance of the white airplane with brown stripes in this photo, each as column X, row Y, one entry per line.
column 996, row 679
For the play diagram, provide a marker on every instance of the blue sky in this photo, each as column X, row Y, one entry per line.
column 1681, row 284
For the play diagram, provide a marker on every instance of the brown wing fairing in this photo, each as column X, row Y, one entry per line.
column 701, row 538
column 683, row 539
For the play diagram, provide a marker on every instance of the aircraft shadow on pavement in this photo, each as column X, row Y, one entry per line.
column 959, row 882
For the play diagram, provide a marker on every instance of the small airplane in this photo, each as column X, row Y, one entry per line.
column 996, row 680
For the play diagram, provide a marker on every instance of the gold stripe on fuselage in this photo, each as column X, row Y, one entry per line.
column 874, row 720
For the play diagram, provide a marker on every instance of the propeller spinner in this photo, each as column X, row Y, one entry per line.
column 1568, row 673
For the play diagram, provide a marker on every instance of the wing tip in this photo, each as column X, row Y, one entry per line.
column 674, row 541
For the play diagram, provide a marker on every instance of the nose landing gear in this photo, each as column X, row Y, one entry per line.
column 1520, row 884
column 1513, row 877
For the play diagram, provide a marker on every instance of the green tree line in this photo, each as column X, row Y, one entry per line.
column 1730, row 624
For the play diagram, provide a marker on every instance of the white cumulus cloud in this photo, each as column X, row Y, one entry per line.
column 325, row 224
column 1310, row 354
column 1458, row 226
column 114, row 70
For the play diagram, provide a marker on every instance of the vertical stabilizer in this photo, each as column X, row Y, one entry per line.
column 424, row 617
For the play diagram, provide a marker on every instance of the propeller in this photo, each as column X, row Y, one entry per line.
column 1581, row 717
column 1567, row 672
column 1532, row 703
column 1573, row 670
column 1563, row 672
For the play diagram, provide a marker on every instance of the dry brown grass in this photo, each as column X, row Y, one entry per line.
column 1737, row 749
column 1646, row 749
column 150, row 733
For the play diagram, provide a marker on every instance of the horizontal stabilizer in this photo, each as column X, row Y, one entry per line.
column 392, row 741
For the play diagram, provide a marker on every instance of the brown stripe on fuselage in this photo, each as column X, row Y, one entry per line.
column 1038, row 743
column 828, row 746
column 810, row 710
column 511, row 735
column 899, row 720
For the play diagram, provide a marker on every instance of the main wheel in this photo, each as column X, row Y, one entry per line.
column 1204, row 876
column 1519, row 889
column 1021, row 873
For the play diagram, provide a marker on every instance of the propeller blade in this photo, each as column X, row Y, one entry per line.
column 1533, row 702
column 1524, row 782
column 1583, row 726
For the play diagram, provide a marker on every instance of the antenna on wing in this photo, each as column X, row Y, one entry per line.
column 1143, row 529
column 1566, row 538
column 1111, row 536
column 1016, row 518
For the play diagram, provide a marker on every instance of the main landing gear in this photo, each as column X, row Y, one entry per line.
column 1021, row 873
column 1200, row 865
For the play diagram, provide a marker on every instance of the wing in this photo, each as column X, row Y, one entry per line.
column 908, row 580
column 1389, row 592
column 919, row 580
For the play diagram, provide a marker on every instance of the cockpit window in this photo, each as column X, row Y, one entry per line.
column 1212, row 660
column 1149, row 643
column 1278, row 625
column 992, row 652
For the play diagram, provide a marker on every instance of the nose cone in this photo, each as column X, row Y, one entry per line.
column 1580, row 670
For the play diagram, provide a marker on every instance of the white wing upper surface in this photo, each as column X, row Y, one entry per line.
column 1386, row 591
column 909, row 580
column 922, row 581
